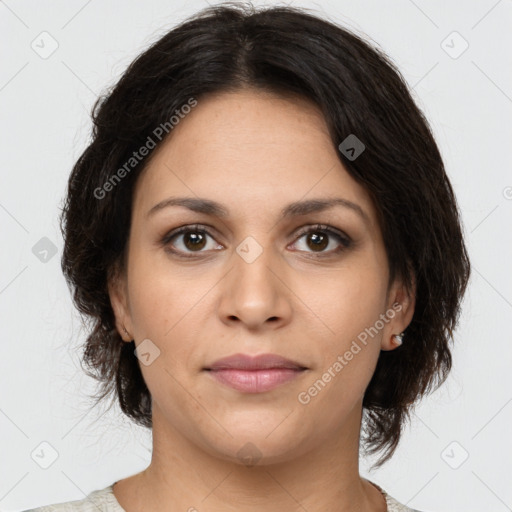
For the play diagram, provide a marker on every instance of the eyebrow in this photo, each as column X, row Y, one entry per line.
column 295, row 209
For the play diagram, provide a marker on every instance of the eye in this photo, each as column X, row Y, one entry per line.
column 320, row 237
column 193, row 239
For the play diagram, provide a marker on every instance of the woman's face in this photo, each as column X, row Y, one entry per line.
column 253, row 281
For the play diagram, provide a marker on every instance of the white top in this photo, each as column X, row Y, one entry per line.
column 104, row 500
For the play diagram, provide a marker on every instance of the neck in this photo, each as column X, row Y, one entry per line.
column 184, row 476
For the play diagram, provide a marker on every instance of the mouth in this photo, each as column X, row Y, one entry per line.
column 249, row 374
column 259, row 362
column 255, row 381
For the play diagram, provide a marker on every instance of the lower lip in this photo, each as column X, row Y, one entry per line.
column 255, row 381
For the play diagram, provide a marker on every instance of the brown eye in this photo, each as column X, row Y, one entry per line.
column 194, row 240
column 317, row 241
column 189, row 239
column 320, row 237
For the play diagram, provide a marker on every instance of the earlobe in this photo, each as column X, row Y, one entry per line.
column 404, row 301
column 130, row 337
column 392, row 339
column 397, row 339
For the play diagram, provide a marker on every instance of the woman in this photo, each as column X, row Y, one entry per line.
column 264, row 236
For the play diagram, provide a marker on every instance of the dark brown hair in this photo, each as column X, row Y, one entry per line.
column 286, row 51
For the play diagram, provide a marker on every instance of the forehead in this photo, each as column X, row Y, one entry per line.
column 249, row 150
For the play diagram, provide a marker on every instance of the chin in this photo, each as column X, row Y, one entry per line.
column 259, row 445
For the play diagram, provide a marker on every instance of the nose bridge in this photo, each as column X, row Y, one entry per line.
column 254, row 292
column 253, row 262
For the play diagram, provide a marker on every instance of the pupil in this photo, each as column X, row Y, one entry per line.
column 319, row 241
column 197, row 241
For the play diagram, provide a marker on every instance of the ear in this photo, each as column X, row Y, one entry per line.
column 118, row 293
column 400, row 310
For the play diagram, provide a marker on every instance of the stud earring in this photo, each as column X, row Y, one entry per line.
column 398, row 338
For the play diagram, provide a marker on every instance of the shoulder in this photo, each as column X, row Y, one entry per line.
column 102, row 500
column 392, row 504
column 395, row 506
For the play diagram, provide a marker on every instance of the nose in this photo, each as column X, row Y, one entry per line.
column 255, row 294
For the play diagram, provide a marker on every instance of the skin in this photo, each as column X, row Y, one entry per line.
column 255, row 153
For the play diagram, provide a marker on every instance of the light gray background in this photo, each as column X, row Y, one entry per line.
column 45, row 105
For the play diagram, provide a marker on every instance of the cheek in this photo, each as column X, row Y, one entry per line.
column 347, row 307
column 346, row 366
column 347, row 301
column 161, row 296
column 157, row 314
column 161, row 312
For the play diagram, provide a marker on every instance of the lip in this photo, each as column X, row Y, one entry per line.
column 255, row 374
column 259, row 362
column 255, row 381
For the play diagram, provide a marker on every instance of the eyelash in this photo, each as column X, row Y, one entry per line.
column 344, row 240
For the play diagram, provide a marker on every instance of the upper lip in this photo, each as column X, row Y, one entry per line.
column 259, row 362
